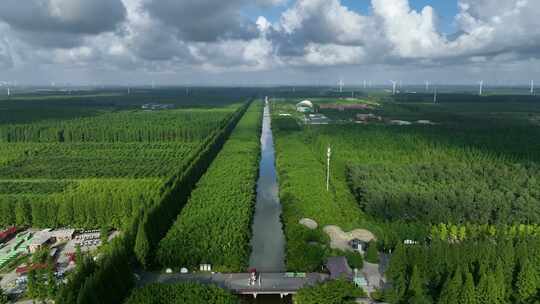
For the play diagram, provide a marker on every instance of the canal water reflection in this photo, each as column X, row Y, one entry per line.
column 268, row 241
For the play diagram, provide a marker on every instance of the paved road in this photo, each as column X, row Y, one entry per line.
column 238, row 282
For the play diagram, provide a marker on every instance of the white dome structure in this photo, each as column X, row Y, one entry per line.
column 305, row 106
column 305, row 103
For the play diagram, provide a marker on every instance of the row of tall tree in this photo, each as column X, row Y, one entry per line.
column 158, row 218
column 93, row 203
column 96, row 160
column 214, row 226
column 127, row 126
column 111, row 278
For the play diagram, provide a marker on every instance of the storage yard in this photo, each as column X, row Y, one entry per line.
column 18, row 246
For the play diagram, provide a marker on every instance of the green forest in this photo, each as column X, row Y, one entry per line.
column 443, row 192
column 181, row 293
column 110, row 279
column 96, row 171
column 497, row 270
column 465, row 189
column 215, row 225
column 332, row 292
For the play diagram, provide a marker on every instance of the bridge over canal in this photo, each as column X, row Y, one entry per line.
column 282, row 284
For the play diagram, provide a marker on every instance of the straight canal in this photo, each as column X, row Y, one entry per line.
column 268, row 241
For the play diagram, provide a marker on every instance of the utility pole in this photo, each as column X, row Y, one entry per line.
column 328, row 154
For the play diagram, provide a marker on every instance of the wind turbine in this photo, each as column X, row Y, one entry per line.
column 427, row 85
column 435, row 95
column 481, row 91
column 532, row 87
column 341, row 84
column 394, row 84
column 8, row 92
column 365, row 84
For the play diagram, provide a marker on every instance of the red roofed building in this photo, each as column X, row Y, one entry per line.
column 7, row 234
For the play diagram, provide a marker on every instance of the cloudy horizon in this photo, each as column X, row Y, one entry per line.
column 269, row 42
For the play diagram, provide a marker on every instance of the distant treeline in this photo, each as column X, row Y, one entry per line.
column 464, row 97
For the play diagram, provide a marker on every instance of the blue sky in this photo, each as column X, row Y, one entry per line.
column 446, row 10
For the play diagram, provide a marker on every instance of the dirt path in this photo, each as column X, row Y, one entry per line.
column 340, row 239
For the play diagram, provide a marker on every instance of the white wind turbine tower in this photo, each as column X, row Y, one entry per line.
column 341, row 84
column 481, row 91
column 365, row 84
column 8, row 91
column 435, row 95
column 394, row 84
column 427, row 85
column 532, row 87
